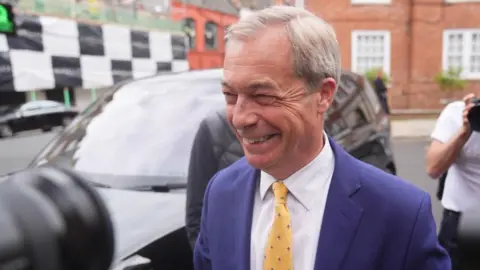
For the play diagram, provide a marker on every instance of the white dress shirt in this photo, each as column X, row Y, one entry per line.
column 308, row 189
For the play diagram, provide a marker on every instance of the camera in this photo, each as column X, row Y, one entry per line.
column 51, row 219
column 474, row 115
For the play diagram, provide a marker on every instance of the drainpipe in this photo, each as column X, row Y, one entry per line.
column 411, row 4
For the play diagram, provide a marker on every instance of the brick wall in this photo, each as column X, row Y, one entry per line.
column 416, row 29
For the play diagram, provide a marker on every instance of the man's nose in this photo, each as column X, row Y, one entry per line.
column 244, row 115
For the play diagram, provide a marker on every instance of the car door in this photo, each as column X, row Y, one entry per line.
column 351, row 119
column 336, row 124
column 50, row 113
column 26, row 117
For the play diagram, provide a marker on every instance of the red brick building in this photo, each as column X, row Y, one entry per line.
column 205, row 22
column 412, row 40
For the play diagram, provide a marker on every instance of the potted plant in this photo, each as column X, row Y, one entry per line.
column 450, row 81
column 371, row 76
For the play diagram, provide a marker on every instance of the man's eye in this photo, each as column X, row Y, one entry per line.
column 265, row 99
column 229, row 94
column 229, row 97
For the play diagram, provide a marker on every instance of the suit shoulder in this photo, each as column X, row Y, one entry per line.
column 227, row 176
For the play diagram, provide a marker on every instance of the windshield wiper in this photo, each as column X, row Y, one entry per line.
column 155, row 188
column 99, row 185
column 159, row 188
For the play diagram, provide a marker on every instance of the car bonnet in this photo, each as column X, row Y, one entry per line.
column 139, row 218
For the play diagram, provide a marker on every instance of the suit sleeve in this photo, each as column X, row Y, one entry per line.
column 201, row 252
column 202, row 167
column 424, row 251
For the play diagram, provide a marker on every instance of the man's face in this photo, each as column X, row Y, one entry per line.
column 277, row 121
column 379, row 73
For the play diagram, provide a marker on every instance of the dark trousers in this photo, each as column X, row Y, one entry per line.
column 385, row 106
column 448, row 236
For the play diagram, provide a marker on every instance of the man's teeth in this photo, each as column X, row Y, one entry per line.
column 259, row 140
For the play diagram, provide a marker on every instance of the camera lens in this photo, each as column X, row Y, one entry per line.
column 51, row 219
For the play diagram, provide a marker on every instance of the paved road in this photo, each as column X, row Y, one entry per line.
column 16, row 153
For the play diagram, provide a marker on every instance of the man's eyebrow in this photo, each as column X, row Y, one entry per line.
column 254, row 85
column 225, row 84
column 262, row 84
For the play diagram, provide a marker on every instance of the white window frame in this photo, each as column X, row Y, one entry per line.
column 372, row 2
column 387, row 45
column 467, row 35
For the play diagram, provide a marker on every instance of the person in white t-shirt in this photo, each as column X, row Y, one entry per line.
column 455, row 150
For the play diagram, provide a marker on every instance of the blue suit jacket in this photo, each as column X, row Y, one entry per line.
column 372, row 221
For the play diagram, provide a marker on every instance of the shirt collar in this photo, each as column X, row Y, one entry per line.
column 305, row 184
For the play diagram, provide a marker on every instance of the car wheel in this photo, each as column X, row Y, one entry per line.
column 6, row 131
column 66, row 121
column 46, row 128
column 390, row 168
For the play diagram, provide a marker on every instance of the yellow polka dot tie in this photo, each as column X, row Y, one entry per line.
column 278, row 251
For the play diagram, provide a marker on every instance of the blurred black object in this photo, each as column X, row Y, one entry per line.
column 51, row 219
column 469, row 239
column 441, row 185
column 474, row 115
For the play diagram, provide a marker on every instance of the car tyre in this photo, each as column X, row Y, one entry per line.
column 390, row 168
column 46, row 128
column 6, row 131
column 66, row 121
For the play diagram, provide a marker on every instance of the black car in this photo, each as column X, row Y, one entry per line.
column 134, row 145
column 357, row 121
column 39, row 114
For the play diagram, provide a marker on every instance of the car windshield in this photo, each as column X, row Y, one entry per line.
column 8, row 108
column 140, row 134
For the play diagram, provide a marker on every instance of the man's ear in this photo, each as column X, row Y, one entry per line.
column 326, row 94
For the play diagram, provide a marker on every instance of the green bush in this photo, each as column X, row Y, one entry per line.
column 450, row 80
column 371, row 76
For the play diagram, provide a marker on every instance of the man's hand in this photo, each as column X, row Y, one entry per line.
column 466, row 129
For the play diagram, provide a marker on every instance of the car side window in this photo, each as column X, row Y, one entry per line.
column 334, row 124
column 348, row 84
column 31, row 106
column 337, row 127
column 49, row 104
column 356, row 118
column 372, row 97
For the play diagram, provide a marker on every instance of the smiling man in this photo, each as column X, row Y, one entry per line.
column 298, row 200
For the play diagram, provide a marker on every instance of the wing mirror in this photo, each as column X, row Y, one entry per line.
column 136, row 262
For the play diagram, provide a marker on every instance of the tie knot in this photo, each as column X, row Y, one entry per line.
column 280, row 191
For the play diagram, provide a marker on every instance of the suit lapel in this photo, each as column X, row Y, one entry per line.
column 245, row 186
column 342, row 215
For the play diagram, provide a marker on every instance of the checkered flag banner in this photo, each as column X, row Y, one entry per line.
column 50, row 52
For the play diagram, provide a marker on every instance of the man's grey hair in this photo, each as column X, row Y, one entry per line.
column 315, row 49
